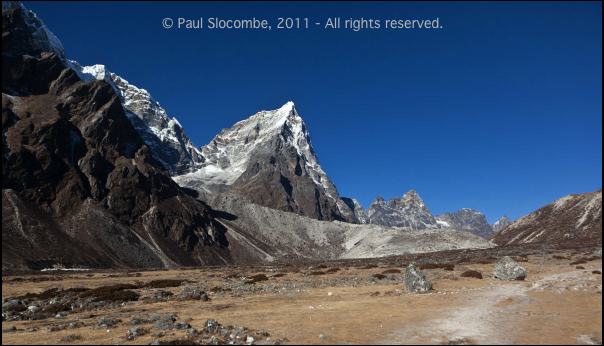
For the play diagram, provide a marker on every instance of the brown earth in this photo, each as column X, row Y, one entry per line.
column 556, row 304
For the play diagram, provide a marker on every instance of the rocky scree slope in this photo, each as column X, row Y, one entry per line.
column 265, row 234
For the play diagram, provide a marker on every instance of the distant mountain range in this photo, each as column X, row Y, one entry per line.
column 96, row 173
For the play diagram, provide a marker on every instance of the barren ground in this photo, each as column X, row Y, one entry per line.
column 559, row 303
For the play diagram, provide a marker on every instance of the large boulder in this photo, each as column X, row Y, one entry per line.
column 508, row 269
column 415, row 280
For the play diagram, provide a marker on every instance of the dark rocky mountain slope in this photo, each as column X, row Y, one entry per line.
column 570, row 219
column 79, row 185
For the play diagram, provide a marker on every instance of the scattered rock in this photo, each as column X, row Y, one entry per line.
column 61, row 314
column 508, row 269
column 33, row 309
column 460, row 340
column 13, row 305
column 160, row 295
column 415, row 280
column 135, row 332
column 107, row 322
column 75, row 324
column 165, row 322
column 193, row 293
column 182, row 325
column 211, row 326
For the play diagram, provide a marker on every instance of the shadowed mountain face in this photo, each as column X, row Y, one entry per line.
column 570, row 219
column 79, row 184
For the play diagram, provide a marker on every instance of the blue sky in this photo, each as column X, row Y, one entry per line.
column 501, row 110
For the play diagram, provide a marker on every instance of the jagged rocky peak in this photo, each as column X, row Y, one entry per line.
column 411, row 198
column 268, row 158
column 408, row 211
column 466, row 219
column 161, row 132
column 501, row 223
column 359, row 212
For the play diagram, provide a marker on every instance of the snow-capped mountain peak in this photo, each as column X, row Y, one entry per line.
column 271, row 148
column 227, row 156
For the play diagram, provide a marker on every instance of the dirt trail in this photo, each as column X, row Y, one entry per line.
column 477, row 322
column 494, row 314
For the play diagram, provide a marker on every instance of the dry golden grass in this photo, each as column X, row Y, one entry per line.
column 375, row 311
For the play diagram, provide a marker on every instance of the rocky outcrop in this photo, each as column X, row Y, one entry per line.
column 268, row 159
column 508, row 269
column 409, row 211
column 80, row 186
column 466, row 219
column 501, row 224
column 359, row 213
column 573, row 219
column 415, row 280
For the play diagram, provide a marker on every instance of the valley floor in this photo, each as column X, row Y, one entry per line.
column 360, row 302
